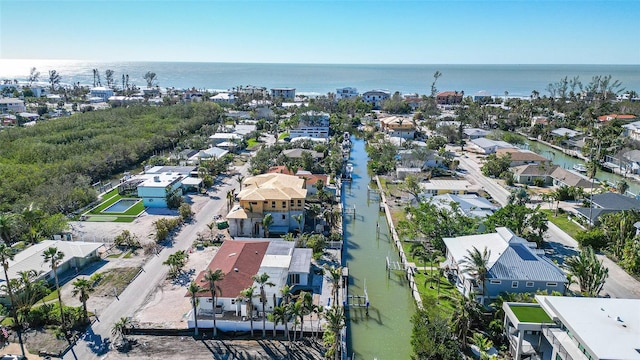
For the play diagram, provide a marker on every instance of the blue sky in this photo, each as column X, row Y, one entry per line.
column 360, row 32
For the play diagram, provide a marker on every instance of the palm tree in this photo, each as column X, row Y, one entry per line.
column 281, row 315
column 590, row 273
column 335, row 274
column 119, row 329
column 82, row 288
column 476, row 263
column 212, row 278
column 319, row 311
column 266, row 222
column 298, row 218
column 433, row 257
column 306, row 301
column 247, row 296
column 335, row 322
column 294, row 310
column 7, row 227
column 53, row 256
column 31, row 215
column 314, row 210
column 262, row 281
column 466, row 311
column 193, row 291
column 240, row 179
column 6, row 254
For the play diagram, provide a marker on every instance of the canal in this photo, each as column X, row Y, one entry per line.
column 567, row 162
column 384, row 333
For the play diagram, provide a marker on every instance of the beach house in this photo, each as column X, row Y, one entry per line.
column 311, row 124
column 154, row 190
column 449, row 97
column 514, row 265
column 346, row 93
column 376, row 97
column 11, row 105
column 101, row 92
column 283, row 93
column 281, row 195
column 398, row 126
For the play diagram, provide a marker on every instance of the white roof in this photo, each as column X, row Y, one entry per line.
column 276, row 261
column 31, row 257
column 191, row 181
column 496, row 242
column 225, row 136
column 458, row 185
column 161, row 180
column 10, row 101
column 607, row 328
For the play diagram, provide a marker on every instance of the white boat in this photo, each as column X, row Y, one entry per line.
column 349, row 168
column 580, row 168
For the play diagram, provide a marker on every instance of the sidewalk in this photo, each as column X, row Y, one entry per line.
column 14, row 349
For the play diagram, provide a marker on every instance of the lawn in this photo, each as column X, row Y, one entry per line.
column 531, row 314
column 563, row 222
column 251, row 143
column 118, row 279
column 443, row 297
column 283, row 135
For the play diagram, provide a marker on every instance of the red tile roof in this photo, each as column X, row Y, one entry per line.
column 610, row 117
column 281, row 169
column 239, row 261
column 450, row 93
column 311, row 179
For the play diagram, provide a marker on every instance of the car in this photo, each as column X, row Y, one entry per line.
column 12, row 357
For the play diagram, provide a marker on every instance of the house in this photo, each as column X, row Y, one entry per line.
column 522, row 157
column 515, row 265
column 77, row 254
column 403, row 172
column 310, row 180
column 474, row 133
column 281, row 195
column 488, row 146
column 244, row 129
column 578, row 328
column 284, row 93
column 218, row 138
column 311, row 124
column 606, row 203
column 622, row 117
column 542, row 120
column 239, row 261
column 223, row 98
column 376, row 97
column 398, row 126
column 11, row 105
column 207, row 154
column 346, row 93
column 421, row 158
column 470, row 205
column 565, row 133
column 632, row 130
column 482, row 96
column 627, row 162
column 564, row 177
column 253, row 90
column 440, row 187
column 449, row 97
column 29, row 116
column 297, row 154
column 551, row 175
column 154, row 190
column 104, row 93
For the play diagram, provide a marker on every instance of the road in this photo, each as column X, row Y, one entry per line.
column 92, row 345
column 618, row 285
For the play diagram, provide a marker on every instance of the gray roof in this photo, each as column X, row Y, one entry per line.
column 594, row 213
column 572, row 179
column 280, row 247
column 485, row 143
column 301, row 260
column 615, row 201
column 564, row 131
column 297, row 153
column 184, row 170
column 519, row 262
column 633, row 155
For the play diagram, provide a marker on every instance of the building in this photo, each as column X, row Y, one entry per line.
column 284, row 93
column 631, row 130
column 474, row 133
column 449, row 97
column 621, row 117
column 419, row 158
column 239, row 261
column 515, row 265
column 522, row 157
column 154, row 190
column 488, row 146
column 376, row 97
column 482, row 96
column 11, row 105
column 346, row 93
column 551, row 175
column 212, row 153
column 281, row 195
column 565, row 133
column 104, row 93
column 398, row 126
column 298, row 154
column 311, row 124
column 223, row 98
column 218, row 138
column 606, row 203
column 470, row 205
column 577, row 328
column 440, row 187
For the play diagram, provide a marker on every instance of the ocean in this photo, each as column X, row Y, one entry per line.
column 312, row 79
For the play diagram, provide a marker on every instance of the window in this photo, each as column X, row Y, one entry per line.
column 273, row 204
column 552, row 284
column 233, row 301
column 514, row 284
column 529, row 284
column 299, row 202
column 495, row 282
column 284, row 204
column 284, row 217
column 294, row 278
column 291, row 203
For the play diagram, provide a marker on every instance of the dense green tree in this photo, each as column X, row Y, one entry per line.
column 589, row 272
column 525, row 222
column 432, row 337
column 496, row 165
column 82, row 288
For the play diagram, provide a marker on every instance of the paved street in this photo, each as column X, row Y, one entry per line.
column 618, row 285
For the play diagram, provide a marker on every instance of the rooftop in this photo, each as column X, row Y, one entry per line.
column 273, row 186
column 530, row 314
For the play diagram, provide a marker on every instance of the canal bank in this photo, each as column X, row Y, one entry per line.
column 384, row 333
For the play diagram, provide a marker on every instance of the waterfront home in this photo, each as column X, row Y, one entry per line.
column 398, row 126
column 565, row 133
column 298, row 154
column 253, row 90
column 515, row 265
column 440, row 187
column 470, row 205
column 101, row 92
column 403, row 172
column 239, row 261
column 578, row 328
column 218, row 138
column 474, row 133
column 632, row 130
column 627, row 161
column 12, row 105
column 346, row 93
column 488, row 146
column 482, row 96
column 284, row 93
column 223, row 98
column 522, row 157
column 421, row 158
column 376, row 97
column 449, row 97
column 312, row 124
column 551, row 175
column 600, row 204
column 211, row 153
column 310, row 180
column 281, row 195
column 77, row 254
column 244, row 129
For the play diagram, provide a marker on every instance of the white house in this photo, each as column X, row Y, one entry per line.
column 218, row 138
column 11, row 105
column 101, row 92
column 285, row 93
column 376, row 97
column 154, row 191
column 632, row 130
column 311, row 124
column 210, row 153
column 488, row 146
column 474, row 133
column 223, row 98
column 346, row 93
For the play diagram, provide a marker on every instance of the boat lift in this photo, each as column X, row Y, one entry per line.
column 359, row 301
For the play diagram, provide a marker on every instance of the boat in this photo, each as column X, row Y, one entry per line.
column 349, row 168
column 580, row 168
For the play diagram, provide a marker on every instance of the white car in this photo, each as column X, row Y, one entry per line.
column 12, row 357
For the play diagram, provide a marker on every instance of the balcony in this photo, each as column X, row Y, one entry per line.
column 563, row 343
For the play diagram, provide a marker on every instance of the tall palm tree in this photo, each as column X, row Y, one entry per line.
column 314, row 210
column 306, row 301
column 466, row 311
column 212, row 278
column 193, row 291
column 6, row 254
column 82, row 288
column 31, row 215
column 590, row 273
column 433, row 257
column 54, row 257
column 119, row 329
column 335, row 321
column 263, row 280
column 7, row 227
column 294, row 310
column 281, row 315
column 476, row 263
column 247, row 296
column 267, row 221
column 240, row 179
column 298, row 218
column 335, row 274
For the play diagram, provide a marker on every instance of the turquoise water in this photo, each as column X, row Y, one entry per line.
column 386, row 332
column 120, row 206
column 518, row 80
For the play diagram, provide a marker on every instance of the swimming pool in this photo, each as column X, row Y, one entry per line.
column 121, row 206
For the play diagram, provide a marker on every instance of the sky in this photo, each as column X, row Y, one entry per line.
column 323, row 31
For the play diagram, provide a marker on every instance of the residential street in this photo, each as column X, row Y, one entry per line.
column 618, row 285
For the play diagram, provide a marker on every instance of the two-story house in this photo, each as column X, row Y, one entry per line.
column 281, row 195
column 284, row 93
column 11, row 105
column 398, row 126
column 376, row 97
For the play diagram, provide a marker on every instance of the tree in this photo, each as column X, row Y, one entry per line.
column 335, row 274
column 335, row 321
column 299, row 219
column 54, row 257
column 176, row 261
column 466, row 311
column 279, row 315
column 82, row 288
column 54, row 79
column 476, row 263
column 528, row 223
column 306, row 308
column 150, row 78
column 120, row 329
column 6, row 255
column 240, row 179
column 411, row 185
column 174, row 198
column 185, row 211
column 34, row 75
column 518, row 196
column 193, row 291
column 212, row 278
column 267, row 221
column 590, row 273
column 432, row 336
column 314, row 210
column 622, row 186
column 247, row 296
column 108, row 75
column 263, row 280
column 7, row 227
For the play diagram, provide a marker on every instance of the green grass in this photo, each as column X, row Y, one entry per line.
column 446, row 291
column 531, row 314
column 563, row 222
column 52, row 296
column 283, row 135
column 251, row 143
column 128, row 254
column 124, row 219
column 118, row 279
column 114, row 256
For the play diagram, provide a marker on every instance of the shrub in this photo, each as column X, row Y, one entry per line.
column 594, row 238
